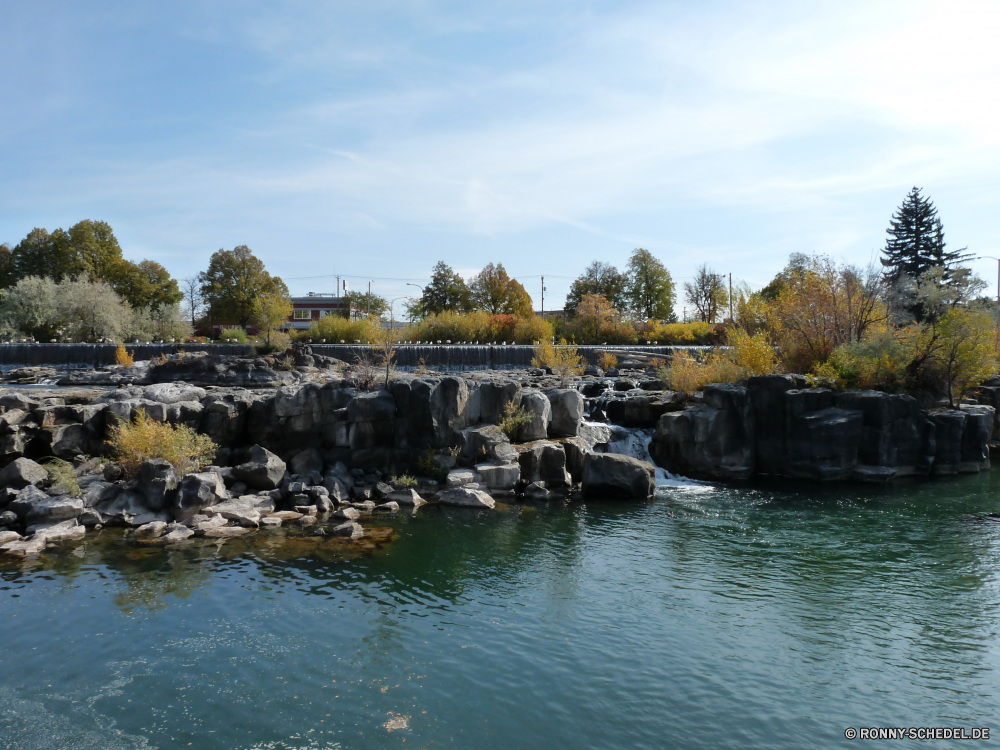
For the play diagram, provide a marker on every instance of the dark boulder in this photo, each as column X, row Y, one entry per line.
column 157, row 481
column 21, row 473
column 614, row 476
column 263, row 470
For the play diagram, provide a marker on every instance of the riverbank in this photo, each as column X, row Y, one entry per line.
column 305, row 440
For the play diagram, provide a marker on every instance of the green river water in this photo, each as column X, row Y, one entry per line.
column 770, row 616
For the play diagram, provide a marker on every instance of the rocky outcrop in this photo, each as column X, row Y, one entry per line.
column 776, row 426
column 714, row 439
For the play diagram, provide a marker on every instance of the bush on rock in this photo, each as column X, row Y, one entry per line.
column 142, row 439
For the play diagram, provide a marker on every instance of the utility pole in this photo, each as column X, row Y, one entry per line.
column 543, row 296
column 369, row 299
column 730, row 295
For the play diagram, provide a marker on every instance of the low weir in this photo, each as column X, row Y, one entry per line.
column 447, row 356
column 100, row 355
column 481, row 356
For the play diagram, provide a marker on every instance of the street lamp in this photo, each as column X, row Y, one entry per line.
column 392, row 318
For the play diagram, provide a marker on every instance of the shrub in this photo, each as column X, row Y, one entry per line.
column 234, row 335
column 334, row 329
column 753, row 355
column 124, row 358
column 879, row 363
column 62, row 476
column 402, row 481
column 142, row 439
column 678, row 334
column 514, row 417
column 480, row 326
column 280, row 341
column 426, row 466
column 686, row 374
column 608, row 361
column 565, row 361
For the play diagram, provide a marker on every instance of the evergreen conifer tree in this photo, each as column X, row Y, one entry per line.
column 916, row 240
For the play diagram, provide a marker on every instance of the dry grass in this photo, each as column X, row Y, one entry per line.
column 144, row 438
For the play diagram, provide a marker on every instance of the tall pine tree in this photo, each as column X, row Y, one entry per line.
column 916, row 240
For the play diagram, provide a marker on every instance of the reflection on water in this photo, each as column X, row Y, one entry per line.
column 713, row 617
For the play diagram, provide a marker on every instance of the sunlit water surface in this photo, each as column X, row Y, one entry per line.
column 766, row 616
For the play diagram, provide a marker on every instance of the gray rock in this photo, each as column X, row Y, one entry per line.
column 24, row 547
column 388, row 507
column 8, row 536
column 8, row 518
column 501, row 478
column 351, row 529
column 351, row 514
column 26, row 500
column 176, row 532
column 22, row 472
column 157, row 481
column 610, row 475
column 152, row 529
column 172, row 393
column 60, row 532
column 544, row 461
column 462, row 477
column 487, row 443
column 241, row 511
column 263, row 471
column 539, row 409
column 567, row 412
column 494, row 396
column 306, row 461
column 54, row 510
column 464, row 497
column 197, row 491
column 407, row 497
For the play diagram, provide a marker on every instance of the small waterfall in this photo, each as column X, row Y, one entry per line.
column 634, row 442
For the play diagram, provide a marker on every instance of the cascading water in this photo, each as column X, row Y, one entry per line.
column 633, row 442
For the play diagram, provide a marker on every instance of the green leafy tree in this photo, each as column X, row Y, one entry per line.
column 6, row 266
column 367, row 304
column 650, row 290
column 495, row 292
column 602, row 279
column 233, row 282
column 89, row 249
column 145, row 284
column 447, row 291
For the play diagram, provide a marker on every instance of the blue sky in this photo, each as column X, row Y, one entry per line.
column 373, row 139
